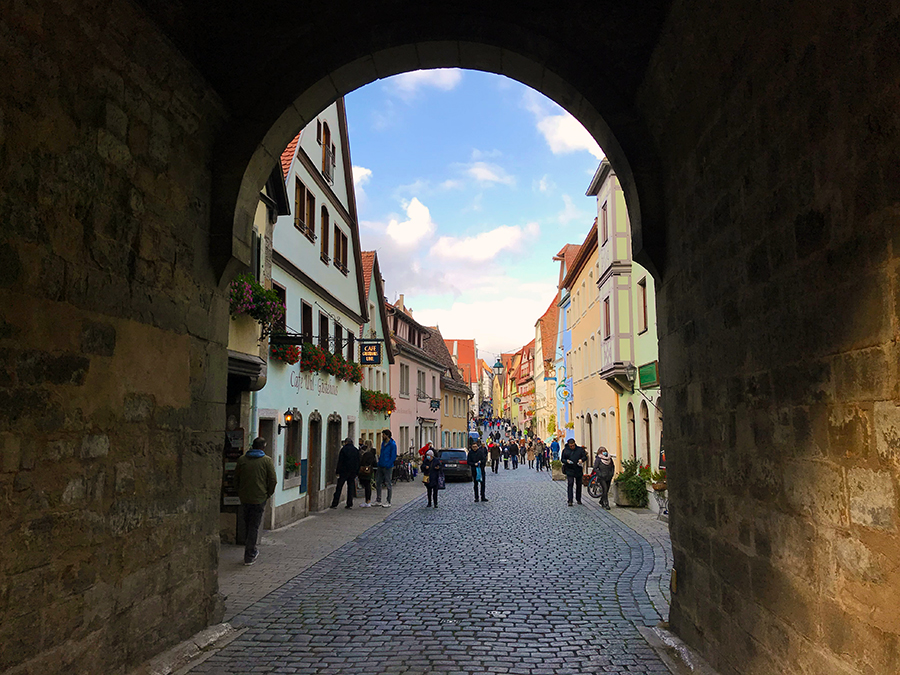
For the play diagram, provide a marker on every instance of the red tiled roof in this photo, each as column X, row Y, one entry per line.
column 368, row 266
column 566, row 255
column 466, row 358
column 584, row 252
column 549, row 324
column 288, row 155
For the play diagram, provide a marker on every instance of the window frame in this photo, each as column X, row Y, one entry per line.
column 323, row 245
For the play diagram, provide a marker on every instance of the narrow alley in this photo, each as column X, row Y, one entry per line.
column 521, row 584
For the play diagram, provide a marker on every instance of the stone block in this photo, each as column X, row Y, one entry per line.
column 139, row 407
column 98, row 338
column 10, row 452
column 94, row 445
column 849, row 432
column 887, row 433
column 816, row 490
column 124, row 478
column 873, row 499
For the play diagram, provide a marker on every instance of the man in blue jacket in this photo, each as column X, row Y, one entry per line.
column 554, row 449
column 383, row 472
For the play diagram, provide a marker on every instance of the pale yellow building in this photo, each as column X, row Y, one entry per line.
column 594, row 401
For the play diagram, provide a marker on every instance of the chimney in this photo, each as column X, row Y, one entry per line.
column 400, row 301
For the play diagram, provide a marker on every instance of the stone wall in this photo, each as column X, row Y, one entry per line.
column 112, row 335
column 778, row 127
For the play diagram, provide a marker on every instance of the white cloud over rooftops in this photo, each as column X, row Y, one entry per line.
column 417, row 226
column 563, row 133
column 485, row 245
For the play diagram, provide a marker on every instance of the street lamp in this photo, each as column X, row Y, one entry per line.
column 288, row 418
column 631, row 374
column 498, row 368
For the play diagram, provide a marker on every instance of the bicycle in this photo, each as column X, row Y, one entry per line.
column 593, row 487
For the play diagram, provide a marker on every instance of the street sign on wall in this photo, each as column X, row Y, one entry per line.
column 648, row 375
column 370, row 353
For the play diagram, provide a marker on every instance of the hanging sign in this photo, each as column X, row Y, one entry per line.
column 370, row 353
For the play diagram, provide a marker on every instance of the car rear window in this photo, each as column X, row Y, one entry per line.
column 453, row 454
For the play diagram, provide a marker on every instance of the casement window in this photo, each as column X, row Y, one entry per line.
column 338, row 338
column 323, row 244
column 607, row 329
column 351, row 347
column 306, row 321
column 323, row 331
column 310, row 216
column 433, row 387
column 420, row 384
column 281, row 325
column 404, row 379
column 642, row 305
column 604, row 223
column 446, row 404
column 340, row 250
column 299, row 205
column 329, row 153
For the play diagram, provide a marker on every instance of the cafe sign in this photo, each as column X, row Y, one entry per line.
column 370, row 353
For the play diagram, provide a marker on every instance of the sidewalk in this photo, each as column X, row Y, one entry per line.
column 288, row 551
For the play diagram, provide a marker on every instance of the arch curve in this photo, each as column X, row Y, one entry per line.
column 251, row 146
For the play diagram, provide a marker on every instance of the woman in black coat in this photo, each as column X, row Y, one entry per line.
column 432, row 467
column 605, row 468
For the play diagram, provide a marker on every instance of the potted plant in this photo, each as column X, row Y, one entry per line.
column 291, row 466
column 289, row 354
column 631, row 485
column 556, row 471
column 659, row 480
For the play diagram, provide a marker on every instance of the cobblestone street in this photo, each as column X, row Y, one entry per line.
column 521, row 584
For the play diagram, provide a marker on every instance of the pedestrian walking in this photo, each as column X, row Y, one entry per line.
column 554, row 449
column 514, row 455
column 347, row 468
column 432, row 468
column 573, row 460
column 255, row 481
column 505, row 453
column 367, row 464
column 605, row 468
column 383, row 472
column 477, row 461
column 495, row 456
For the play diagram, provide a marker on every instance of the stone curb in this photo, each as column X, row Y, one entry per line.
column 180, row 658
column 678, row 657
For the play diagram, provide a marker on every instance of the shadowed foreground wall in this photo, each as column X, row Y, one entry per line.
column 779, row 323
column 111, row 342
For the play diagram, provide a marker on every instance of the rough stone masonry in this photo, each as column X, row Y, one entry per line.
column 756, row 143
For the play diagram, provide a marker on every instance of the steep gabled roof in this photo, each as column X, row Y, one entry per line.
column 288, row 155
column 436, row 347
column 549, row 323
column 587, row 247
column 368, row 265
column 566, row 256
column 466, row 358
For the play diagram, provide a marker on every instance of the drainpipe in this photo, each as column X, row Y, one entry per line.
column 619, row 430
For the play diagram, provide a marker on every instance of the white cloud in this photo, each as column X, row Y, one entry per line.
column 485, row 245
column 563, row 133
column 361, row 176
column 415, row 228
column 508, row 320
column 451, row 184
column 571, row 212
column 486, row 173
column 485, row 154
column 545, row 184
column 407, row 85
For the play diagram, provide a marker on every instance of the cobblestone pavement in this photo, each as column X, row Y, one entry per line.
column 521, row 585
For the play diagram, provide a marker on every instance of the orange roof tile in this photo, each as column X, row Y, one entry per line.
column 368, row 266
column 549, row 322
column 288, row 155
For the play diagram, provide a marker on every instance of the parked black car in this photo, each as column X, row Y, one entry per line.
column 455, row 465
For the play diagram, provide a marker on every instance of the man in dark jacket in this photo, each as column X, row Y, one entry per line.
column 255, row 480
column 573, row 461
column 495, row 456
column 347, row 468
column 477, row 459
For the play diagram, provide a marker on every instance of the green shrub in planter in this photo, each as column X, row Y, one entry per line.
column 632, row 483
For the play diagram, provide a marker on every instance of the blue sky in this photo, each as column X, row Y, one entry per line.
column 467, row 185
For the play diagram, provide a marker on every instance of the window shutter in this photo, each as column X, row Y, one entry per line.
column 318, row 132
column 333, row 155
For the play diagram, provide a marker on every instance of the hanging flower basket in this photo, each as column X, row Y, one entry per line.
column 376, row 401
column 248, row 297
column 315, row 359
column 289, row 354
